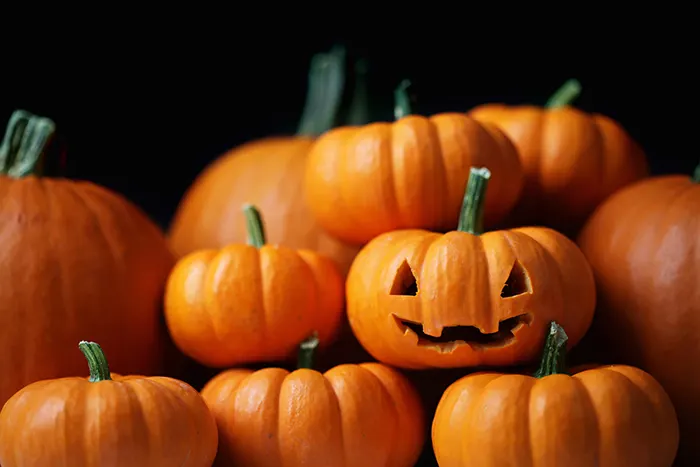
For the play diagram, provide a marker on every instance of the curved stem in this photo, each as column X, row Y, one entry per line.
column 565, row 95
column 97, row 362
column 306, row 352
column 696, row 175
column 254, row 226
column 402, row 103
column 358, row 114
column 325, row 92
column 471, row 218
column 26, row 138
column 554, row 355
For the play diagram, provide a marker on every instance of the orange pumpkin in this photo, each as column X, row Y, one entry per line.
column 365, row 415
column 268, row 173
column 107, row 420
column 643, row 244
column 572, row 160
column 251, row 303
column 362, row 181
column 76, row 260
column 420, row 299
column 617, row 416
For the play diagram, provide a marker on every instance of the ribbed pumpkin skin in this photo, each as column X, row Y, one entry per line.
column 572, row 161
column 77, row 261
column 616, row 416
column 269, row 174
column 129, row 421
column 362, row 181
column 365, row 415
column 643, row 245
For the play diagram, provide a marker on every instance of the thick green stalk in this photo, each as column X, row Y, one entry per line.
column 565, row 95
column 325, row 92
column 358, row 113
column 471, row 218
column 254, row 226
column 554, row 354
column 97, row 362
column 26, row 138
column 696, row 175
column 307, row 349
column 402, row 102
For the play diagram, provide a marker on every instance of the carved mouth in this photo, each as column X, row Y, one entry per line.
column 452, row 336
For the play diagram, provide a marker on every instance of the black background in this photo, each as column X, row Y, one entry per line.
column 143, row 110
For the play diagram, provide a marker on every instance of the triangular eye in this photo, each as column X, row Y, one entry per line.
column 405, row 282
column 518, row 282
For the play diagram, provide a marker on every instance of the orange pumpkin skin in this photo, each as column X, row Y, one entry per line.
column 365, row 415
column 572, row 161
column 126, row 421
column 643, row 244
column 245, row 303
column 269, row 174
column 77, row 260
column 612, row 416
column 419, row 299
column 362, row 181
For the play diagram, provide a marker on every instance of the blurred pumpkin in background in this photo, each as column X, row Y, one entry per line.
column 269, row 174
column 572, row 160
column 77, row 261
column 362, row 181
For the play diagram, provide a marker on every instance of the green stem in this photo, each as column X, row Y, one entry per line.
column 325, row 92
column 696, row 175
column 471, row 219
column 565, row 95
column 254, row 226
column 554, row 354
column 307, row 350
column 97, row 362
column 26, row 138
column 402, row 102
column 358, row 114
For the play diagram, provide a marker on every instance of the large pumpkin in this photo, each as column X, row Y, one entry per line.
column 644, row 247
column 107, row 420
column 362, row 181
column 572, row 160
column 365, row 415
column 420, row 299
column 253, row 302
column 268, row 173
column 611, row 416
column 76, row 261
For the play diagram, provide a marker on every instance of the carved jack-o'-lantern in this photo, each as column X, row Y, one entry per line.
column 420, row 299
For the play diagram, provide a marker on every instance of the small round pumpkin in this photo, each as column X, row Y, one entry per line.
column 572, row 160
column 643, row 244
column 251, row 303
column 420, row 299
column 268, row 173
column 76, row 260
column 365, row 415
column 107, row 420
column 617, row 416
column 362, row 181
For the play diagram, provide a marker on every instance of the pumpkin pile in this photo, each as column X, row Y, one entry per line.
column 360, row 294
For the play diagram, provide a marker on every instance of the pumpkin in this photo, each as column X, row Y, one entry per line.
column 365, row 415
column 268, row 173
column 362, row 181
column 420, row 299
column 572, row 160
column 643, row 244
column 254, row 302
column 77, row 260
column 606, row 416
column 107, row 420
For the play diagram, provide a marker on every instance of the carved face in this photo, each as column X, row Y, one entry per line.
column 418, row 299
